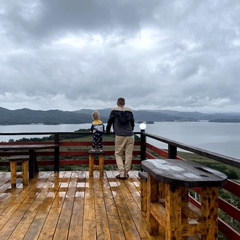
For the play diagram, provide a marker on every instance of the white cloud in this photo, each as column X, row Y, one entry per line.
column 181, row 55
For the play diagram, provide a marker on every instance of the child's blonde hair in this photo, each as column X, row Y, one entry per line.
column 95, row 115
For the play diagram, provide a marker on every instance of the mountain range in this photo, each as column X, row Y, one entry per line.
column 28, row 116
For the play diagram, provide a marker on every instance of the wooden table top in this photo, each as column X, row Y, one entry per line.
column 183, row 173
column 26, row 146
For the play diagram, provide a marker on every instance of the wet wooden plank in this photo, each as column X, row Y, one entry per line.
column 31, row 223
column 67, row 208
column 131, row 193
column 70, row 205
column 76, row 224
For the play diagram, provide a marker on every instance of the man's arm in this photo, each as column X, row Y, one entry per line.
column 110, row 122
column 132, row 123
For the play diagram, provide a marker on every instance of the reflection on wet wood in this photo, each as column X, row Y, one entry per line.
column 70, row 205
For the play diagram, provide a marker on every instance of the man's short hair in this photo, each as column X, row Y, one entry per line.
column 121, row 101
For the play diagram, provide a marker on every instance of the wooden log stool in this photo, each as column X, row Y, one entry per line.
column 92, row 166
column 143, row 188
column 13, row 168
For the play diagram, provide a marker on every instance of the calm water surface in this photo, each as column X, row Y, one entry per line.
column 223, row 138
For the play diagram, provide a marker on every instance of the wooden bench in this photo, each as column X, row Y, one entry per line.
column 168, row 210
column 13, row 149
column 143, row 188
column 13, row 168
column 92, row 165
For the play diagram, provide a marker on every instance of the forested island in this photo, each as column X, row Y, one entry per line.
column 53, row 117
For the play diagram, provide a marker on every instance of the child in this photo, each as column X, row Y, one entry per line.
column 97, row 129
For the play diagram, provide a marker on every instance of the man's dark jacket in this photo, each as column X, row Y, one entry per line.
column 122, row 120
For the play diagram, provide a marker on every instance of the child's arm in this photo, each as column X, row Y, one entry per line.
column 92, row 128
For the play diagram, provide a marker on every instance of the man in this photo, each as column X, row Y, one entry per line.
column 122, row 120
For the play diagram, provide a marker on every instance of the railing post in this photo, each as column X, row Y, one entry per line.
column 56, row 153
column 172, row 151
column 143, row 145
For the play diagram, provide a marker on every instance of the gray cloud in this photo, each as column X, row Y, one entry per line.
column 181, row 55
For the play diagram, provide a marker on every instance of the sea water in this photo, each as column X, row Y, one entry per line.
column 222, row 138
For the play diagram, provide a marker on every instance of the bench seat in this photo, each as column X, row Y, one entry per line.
column 14, row 160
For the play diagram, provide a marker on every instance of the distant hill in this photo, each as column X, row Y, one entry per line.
column 198, row 116
column 28, row 116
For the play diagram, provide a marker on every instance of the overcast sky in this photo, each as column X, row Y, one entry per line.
column 179, row 55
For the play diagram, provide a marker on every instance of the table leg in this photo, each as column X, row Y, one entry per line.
column 152, row 196
column 209, row 209
column 161, row 190
column 173, row 212
column 33, row 166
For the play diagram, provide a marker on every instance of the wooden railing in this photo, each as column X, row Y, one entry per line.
column 232, row 187
column 68, row 152
column 76, row 152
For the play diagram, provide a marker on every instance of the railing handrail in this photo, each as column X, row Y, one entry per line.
column 212, row 155
column 52, row 133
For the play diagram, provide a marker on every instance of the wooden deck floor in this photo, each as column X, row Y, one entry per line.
column 70, row 205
